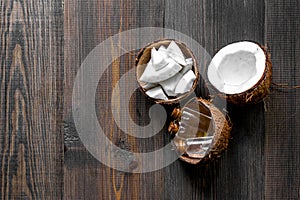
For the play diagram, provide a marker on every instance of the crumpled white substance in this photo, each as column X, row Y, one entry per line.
column 168, row 73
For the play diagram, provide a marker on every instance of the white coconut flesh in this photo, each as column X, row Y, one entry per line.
column 157, row 93
column 237, row 67
column 151, row 75
column 175, row 53
column 168, row 73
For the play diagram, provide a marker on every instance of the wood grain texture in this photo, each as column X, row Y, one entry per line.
column 239, row 174
column 86, row 25
column 31, row 99
column 84, row 176
column 283, row 110
column 42, row 45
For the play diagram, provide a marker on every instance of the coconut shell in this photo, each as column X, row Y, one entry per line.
column 221, row 134
column 259, row 91
column 144, row 57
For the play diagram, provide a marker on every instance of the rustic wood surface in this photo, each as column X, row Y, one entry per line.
column 42, row 46
column 31, row 85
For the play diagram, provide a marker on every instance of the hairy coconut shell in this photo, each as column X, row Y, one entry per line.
column 259, row 91
column 144, row 56
column 221, row 134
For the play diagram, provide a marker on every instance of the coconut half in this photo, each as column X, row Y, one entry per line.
column 241, row 71
column 167, row 66
column 202, row 131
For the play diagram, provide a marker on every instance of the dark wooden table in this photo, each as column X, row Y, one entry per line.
column 42, row 45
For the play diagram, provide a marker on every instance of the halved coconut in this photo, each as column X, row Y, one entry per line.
column 180, row 61
column 242, row 71
column 202, row 131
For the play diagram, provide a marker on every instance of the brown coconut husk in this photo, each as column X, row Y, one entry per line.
column 259, row 91
column 221, row 134
column 144, row 56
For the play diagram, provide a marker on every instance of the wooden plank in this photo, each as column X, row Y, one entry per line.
column 86, row 25
column 263, row 156
column 239, row 174
column 283, row 110
column 31, row 99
